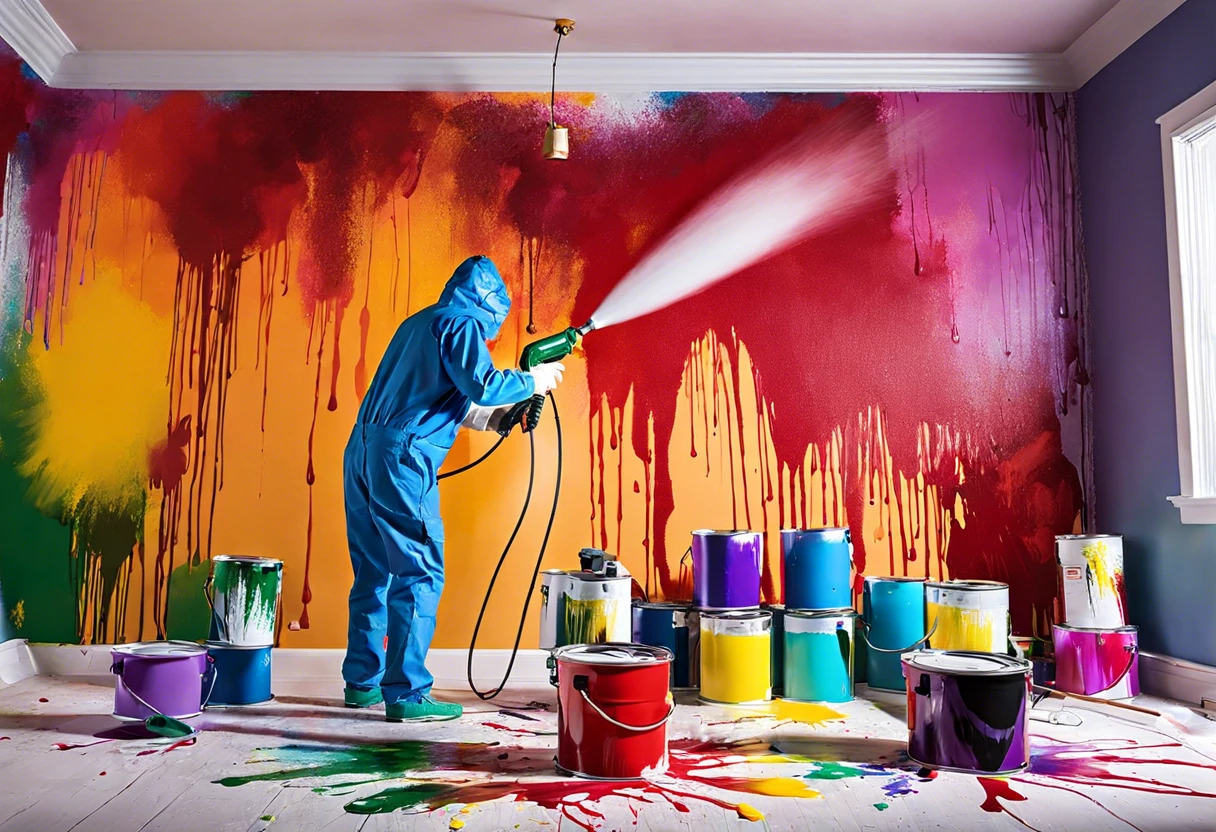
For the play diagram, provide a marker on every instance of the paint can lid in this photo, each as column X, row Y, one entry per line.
column 965, row 663
column 613, row 653
column 161, row 649
column 213, row 646
column 660, row 605
column 723, row 533
column 591, row 577
column 249, row 559
column 830, row 531
column 1068, row 628
column 842, row 612
column 1060, row 537
column 894, row 579
column 971, row 586
column 737, row 615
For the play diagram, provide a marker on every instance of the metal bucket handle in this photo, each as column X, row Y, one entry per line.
column 865, row 625
column 117, row 668
column 639, row 728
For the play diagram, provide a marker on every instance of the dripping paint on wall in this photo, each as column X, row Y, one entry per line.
column 231, row 267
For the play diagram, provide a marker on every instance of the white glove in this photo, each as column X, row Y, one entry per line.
column 485, row 418
column 547, row 377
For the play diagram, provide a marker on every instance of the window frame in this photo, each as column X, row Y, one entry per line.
column 1175, row 125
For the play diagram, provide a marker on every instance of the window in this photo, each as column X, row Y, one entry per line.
column 1188, row 147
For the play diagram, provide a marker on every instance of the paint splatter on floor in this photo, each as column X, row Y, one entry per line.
column 881, row 806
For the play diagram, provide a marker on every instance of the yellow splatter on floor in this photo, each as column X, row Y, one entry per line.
column 749, row 812
column 807, row 713
column 783, row 787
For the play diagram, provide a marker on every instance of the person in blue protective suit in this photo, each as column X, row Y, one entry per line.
column 436, row 376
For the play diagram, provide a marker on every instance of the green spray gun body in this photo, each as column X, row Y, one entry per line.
column 544, row 351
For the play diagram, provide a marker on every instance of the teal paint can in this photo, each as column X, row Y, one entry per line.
column 893, row 622
column 819, row 655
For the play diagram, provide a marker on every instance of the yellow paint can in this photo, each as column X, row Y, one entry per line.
column 736, row 655
column 968, row 615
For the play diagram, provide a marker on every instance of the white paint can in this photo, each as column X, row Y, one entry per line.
column 1091, row 580
column 585, row 608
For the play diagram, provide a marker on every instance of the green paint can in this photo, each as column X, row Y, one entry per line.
column 244, row 596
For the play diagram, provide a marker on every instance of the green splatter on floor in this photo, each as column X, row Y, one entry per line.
column 390, row 800
column 841, row 771
column 267, row 818
column 880, row 806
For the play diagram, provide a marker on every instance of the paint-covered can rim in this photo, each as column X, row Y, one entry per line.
column 820, row 530
column 591, row 577
column 965, row 663
column 1068, row 628
column 725, row 533
column 613, row 653
column 1060, row 537
column 773, row 607
column 160, row 649
column 895, row 579
column 250, row 559
column 842, row 612
column 224, row 645
column 736, row 615
column 977, row 586
column 661, row 605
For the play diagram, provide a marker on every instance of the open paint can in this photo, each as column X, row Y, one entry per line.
column 668, row 626
column 1100, row 663
column 1091, row 580
column 736, row 656
column 585, row 608
column 893, row 623
column 726, row 569
column 613, row 704
column 968, row 711
column 816, row 568
column 169, row 678
column 242, row 674
column 819, row 655
column 968, row 615
column 244, row 596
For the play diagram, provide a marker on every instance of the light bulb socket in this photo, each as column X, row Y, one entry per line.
column 557, row 142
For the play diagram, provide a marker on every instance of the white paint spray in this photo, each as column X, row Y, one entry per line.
column 821, row 178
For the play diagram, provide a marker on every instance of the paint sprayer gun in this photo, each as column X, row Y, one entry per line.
column 551, row 348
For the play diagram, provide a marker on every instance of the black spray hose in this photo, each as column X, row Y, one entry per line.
column 474, row 463
column 490, row 694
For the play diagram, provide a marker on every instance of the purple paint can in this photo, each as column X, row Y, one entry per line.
column 967, row 711
column 726, row 569
column 1100, row 663
column 173, row 678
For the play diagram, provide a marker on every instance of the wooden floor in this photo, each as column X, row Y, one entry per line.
column 308, row 764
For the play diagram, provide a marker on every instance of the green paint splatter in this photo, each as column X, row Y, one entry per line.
column 369, row 763
column 880, row 806
column 405, row 797
column 267, row 818
column 840, row 771
column 189, row 614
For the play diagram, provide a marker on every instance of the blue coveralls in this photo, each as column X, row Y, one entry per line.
column 435, row 367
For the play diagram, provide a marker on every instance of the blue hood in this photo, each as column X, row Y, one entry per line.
column 475, row 290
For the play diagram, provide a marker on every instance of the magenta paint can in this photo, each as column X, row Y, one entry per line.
column 173, row 678
column 968, row 711
column 1101, row 663
column 726, row 569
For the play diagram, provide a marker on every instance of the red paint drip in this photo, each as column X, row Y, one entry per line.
column 995, row 789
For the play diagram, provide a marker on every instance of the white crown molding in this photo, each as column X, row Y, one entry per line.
column 1114, row 32
column 1176, row 679
column 601, row 72
column 34, row 34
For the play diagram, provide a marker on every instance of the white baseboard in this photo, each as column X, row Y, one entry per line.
column 1176, row 679
column 306, row 672
column 16, row 662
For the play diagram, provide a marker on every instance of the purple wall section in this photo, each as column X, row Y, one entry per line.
column 1171, row 568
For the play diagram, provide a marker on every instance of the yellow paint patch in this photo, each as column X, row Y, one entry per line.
column 1099, row 567
column 749, row 812
column 103, row 399
column 783, row 787
column 17, row 614
column 967, row 629
column 456, row 824
column 807, row 713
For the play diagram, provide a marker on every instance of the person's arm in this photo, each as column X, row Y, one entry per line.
column 467, row 362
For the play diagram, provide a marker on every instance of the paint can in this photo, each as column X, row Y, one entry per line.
column 666, row 625
column 893, row 623
column 242, row 674
column 1100, row 663
column 171, row 678
column 1091, row 580
column 819, row 655
column 552, row 586
column 736, row 656
column 585, row 608
column 968, row 615
column 244, row 596
column 726, row 569
column 967, row 711
column 613, row 704
column 816, row 568
column 777, row 652
column 1043, row 670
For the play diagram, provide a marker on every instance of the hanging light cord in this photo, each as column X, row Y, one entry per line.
column 553, row 84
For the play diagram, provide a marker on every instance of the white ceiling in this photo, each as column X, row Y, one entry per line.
column 795, row 26
column 617, row 46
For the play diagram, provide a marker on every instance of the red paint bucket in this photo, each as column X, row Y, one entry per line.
column 613, row 703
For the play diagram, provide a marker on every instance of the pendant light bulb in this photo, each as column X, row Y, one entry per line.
column 557, row 138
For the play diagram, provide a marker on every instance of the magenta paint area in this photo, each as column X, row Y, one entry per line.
column 172, row 678
column 1100, row 663
column 968, row 711
column 726, row 568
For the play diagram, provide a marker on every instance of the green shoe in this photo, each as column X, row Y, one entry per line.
column 356, row 698
column 428, row 710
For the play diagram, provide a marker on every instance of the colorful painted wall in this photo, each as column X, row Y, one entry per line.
column 1170, row 575
column 197, row 289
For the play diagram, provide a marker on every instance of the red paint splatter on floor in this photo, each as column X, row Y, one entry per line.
column 995, row 789
column 44, row 699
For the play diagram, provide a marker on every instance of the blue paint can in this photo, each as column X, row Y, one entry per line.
column 242, row 674
column 668, row 625
column 819, row 655
column 816, row 568
column 777, row 662
column 893, row 621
